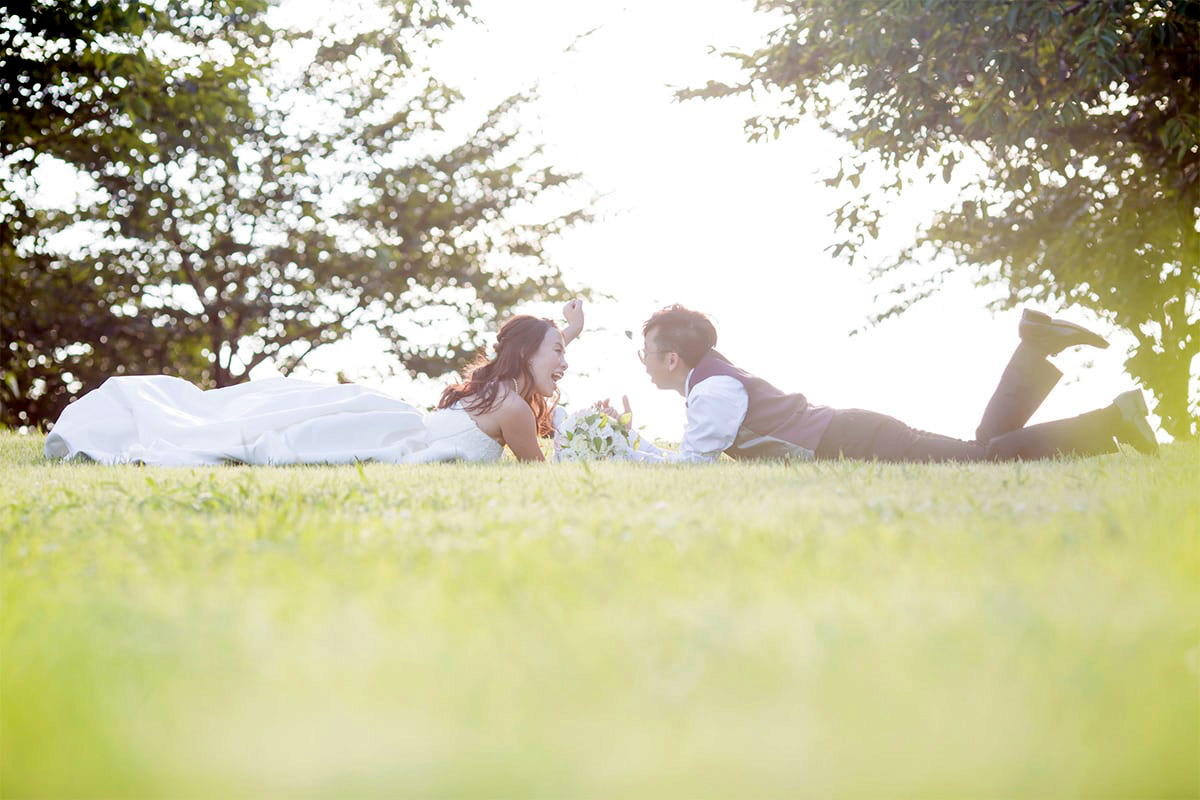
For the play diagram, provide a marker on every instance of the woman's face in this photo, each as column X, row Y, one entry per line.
column 548, row 363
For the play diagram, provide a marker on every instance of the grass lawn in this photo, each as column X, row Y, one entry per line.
column 728, row 630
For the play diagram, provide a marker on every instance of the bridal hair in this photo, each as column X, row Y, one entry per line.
column 683, row 331
column 518, row 340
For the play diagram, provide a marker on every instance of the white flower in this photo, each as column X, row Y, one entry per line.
column 594, row 436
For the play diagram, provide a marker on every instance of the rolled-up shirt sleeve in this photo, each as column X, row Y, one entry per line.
column 716, row 408
column 715, row 411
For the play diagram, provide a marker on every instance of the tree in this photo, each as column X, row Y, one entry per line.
column 330, row 196
column 1073, row 125
column 83, row 86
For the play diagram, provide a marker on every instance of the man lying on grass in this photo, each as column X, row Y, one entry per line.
column 731, row 411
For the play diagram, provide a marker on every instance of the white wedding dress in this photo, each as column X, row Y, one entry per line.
column 155, row 419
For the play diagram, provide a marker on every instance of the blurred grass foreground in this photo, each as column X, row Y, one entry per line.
column 505, row 630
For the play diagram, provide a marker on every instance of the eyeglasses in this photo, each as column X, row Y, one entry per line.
column 643, row 353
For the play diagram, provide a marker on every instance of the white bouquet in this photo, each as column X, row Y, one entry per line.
column 592, row 435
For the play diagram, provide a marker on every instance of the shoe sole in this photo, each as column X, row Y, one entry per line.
column 1049, row 331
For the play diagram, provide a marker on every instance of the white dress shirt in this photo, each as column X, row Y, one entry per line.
column 716, row 408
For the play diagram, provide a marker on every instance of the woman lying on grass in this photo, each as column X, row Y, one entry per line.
column 155, row 419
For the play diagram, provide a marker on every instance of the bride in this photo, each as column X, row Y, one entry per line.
column 155, row 419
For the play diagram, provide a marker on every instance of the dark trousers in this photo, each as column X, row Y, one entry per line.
column 1001, row 436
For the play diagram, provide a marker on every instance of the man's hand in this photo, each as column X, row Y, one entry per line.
column 573, row 313
column 626, row 416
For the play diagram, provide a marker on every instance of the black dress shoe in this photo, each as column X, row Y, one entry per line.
column 1135, row 428
column 1052, row 336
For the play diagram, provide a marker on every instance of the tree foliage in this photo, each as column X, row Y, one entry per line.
column 263, row 185
column 1074, row 125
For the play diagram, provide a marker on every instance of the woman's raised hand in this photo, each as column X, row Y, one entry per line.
column 573, row 313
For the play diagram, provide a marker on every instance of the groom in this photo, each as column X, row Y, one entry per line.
column 731, row 411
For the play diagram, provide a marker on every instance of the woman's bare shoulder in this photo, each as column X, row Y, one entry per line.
column 512, row 406
column 507, row 408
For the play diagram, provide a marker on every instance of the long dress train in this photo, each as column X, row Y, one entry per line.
column 156, row 419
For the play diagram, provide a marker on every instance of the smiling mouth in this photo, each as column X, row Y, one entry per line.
column 556, row 376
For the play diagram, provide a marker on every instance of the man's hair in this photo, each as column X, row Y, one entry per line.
column 683, row 331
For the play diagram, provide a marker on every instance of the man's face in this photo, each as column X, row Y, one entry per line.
column 662, row 365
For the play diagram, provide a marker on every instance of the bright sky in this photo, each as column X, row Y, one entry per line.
column 694, row 214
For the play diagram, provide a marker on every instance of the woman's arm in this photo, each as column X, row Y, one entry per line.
column 573, row 313
column 518, row 427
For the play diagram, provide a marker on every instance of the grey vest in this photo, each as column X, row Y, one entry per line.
column 777, row 425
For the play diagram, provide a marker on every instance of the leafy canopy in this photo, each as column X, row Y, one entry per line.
column 1077, row 128
column 261, row 184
